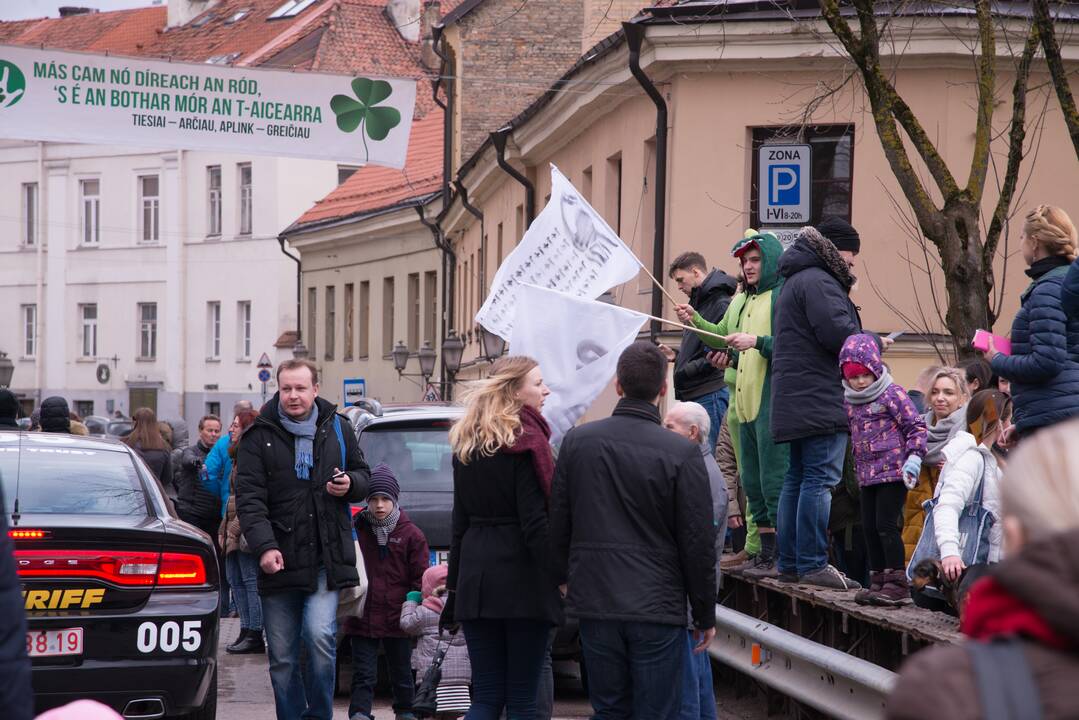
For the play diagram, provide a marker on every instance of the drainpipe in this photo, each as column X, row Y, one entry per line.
column 39, row 296
column 634, row 37
column 299, row 283
column 498, row 138
column 462, row 192
column 447, row 111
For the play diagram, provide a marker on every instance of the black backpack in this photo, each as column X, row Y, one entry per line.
column 1006, row 686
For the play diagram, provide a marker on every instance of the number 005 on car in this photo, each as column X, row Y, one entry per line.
column 43, row 643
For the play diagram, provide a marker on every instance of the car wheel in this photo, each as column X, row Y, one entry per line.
column 208, row 711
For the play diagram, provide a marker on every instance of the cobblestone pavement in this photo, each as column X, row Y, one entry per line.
column 244, row 691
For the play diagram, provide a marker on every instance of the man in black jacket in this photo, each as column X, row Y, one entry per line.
column 16, row 692
column 195, row 502
column 814, row 316
column 695, row 378
column 298, row 468
column 633, row 536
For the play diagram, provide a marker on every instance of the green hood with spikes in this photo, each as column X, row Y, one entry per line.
column 771, row 249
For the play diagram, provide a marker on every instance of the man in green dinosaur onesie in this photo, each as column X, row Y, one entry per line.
column 747, row 328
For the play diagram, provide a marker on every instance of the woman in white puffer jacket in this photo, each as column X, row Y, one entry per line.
column 971, row 458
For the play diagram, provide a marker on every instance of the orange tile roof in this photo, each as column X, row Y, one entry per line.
column 374, row 188
column 124, row 32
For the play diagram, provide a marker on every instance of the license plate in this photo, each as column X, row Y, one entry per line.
column 46, row 643
column 440, row 557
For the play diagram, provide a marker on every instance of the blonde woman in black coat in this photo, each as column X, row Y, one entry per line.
column 500, row 587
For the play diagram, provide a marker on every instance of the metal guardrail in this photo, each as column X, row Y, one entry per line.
column 824, row 678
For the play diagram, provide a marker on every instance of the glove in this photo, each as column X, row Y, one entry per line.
column 912, row 470
column 414, row 596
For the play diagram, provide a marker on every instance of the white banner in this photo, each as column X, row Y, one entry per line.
column 85, row 98
column 576, row 343
column 569, row 247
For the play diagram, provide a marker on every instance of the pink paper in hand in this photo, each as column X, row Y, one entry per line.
column 981, row 342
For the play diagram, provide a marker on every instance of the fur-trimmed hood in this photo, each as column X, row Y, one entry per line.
column 811, row 249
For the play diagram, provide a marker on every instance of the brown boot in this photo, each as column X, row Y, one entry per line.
column 876, row 582
column 894, row 592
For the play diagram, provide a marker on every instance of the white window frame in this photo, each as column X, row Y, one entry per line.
column 30, row 200
column 149, row 210
column 90, row 217
column 247, row 198
column 88, row 330
column 291, row 8
column 243, row 325
column 147, row 327
column 213, row 200
column 213, row 328
column 29, row 330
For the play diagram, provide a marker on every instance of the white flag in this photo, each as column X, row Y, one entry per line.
column 576, row 343
column 569, row 247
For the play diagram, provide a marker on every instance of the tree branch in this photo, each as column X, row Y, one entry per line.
column 1016, row 138
column 1044, row 24
column 979, row 162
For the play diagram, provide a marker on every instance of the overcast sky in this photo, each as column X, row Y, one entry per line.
column 23, row 9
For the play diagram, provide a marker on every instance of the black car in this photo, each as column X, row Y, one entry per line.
column 121, row 596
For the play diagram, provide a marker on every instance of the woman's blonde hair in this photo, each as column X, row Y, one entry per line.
column 1041, row 484
column 492, row 410
column 959, row 377
column 1051, row 228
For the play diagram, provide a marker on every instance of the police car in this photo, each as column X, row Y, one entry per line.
column 121, row 596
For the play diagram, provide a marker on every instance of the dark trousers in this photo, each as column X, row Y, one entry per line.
column 634, row 669
column 882, row 517
column 507, row 657
column 365, row 673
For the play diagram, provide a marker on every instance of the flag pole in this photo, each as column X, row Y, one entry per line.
column 685, row 327
column 656, row 282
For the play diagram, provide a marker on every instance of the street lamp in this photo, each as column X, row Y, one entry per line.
column 299, row 350
column 452, row 349
column 400, row 357
column 7, row 369
column 427, row 357
column 493, row 345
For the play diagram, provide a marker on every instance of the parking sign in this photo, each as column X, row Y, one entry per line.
column 784, row 181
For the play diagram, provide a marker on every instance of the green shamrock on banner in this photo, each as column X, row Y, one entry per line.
column 363, row 111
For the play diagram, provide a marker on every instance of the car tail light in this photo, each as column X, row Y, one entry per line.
column 126, row 568
column 181, row 569
column 27, row 534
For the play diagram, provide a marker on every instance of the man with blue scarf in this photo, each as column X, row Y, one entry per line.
column 298, row 468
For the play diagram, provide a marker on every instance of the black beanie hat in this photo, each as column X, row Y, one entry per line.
column 840, row 232
column 55, row 416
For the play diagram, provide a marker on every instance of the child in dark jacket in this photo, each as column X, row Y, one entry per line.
column 395, row 555
column 888, row 440
column 419, row 618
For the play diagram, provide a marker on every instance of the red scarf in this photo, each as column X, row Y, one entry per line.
column 992, row 611
column 535, row 438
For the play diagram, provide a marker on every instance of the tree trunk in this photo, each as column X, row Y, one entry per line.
column 965, row 283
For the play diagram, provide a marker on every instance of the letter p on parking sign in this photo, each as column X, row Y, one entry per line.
column 783, row 173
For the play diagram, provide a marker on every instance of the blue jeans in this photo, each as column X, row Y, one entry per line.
column 507, row 657
column 816, row 466
column 365, row 673
column 293, row 617
column 634, row 668
column 715, row 404
column 698, row 695
column 243, row 570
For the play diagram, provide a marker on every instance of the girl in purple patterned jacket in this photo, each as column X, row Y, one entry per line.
column 888, row 439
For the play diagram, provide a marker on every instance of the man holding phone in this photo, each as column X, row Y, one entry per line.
column 298, row 467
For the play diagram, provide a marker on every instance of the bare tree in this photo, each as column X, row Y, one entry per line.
column 1043, row 22
column 953, row 225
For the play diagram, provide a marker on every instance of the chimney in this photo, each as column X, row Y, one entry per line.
column 431, row 15
column 69, row 11
column 405, row 16
column 181, row 12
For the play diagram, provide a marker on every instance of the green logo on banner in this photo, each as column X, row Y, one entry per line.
column 363, row 112
column 12, row 84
